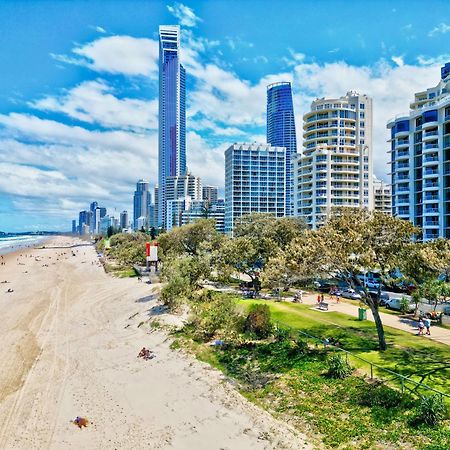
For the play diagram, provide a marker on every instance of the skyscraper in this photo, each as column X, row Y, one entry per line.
column 281, row 129
column 334, row 167
column 93, row 225
column 172, row 112
column 141, row 203
column 255, row 181
column 124, row 221
column 420, row 160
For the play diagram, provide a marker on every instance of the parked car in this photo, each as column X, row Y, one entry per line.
column 382, row 299
column 446, row 310
column 395, row 304
column 351, row 293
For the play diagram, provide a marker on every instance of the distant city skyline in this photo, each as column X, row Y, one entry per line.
column 79, row 99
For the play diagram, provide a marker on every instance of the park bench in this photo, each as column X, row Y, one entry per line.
column 323, row 306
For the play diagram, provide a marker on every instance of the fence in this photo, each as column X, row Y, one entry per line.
column 404, row 380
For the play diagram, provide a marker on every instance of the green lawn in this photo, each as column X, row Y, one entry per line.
column 407, row 354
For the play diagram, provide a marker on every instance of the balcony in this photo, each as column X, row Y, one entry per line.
column 429, row 125
column 402, row 144
column 433, row 211
column 402, row 154
column 431, row 146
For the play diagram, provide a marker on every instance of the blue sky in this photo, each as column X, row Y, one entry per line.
column 78, row 86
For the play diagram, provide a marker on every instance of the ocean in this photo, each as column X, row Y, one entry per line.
column 11, row 243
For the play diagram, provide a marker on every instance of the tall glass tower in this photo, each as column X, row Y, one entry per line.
column 172, row 112
column 281, row 130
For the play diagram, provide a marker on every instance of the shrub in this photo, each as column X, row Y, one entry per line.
column 380, row 395
column 431, row 410
column 338, row 367
column 258, row 321
column 216, row 317
column 404, row 304
column 281, row 334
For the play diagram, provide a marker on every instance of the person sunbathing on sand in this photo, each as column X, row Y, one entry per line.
column 142, row 352
column 81, row 422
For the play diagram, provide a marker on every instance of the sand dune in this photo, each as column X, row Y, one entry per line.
column 69, row 348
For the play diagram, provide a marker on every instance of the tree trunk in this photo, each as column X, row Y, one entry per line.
column 379, row 325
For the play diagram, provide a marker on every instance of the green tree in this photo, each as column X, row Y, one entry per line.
column 191, row 239
column 355, row 240
column 257, row 238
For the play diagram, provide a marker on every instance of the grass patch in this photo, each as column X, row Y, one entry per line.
column 291, row 382
column 125, row 273
column 421, row 359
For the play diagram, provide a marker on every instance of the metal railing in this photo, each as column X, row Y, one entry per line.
column 403, row 378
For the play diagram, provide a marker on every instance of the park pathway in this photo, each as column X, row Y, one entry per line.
column 438, row 334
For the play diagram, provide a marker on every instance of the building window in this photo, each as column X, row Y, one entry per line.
column 362, row 106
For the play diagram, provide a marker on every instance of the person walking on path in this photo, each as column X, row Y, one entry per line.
column 427, row 323
column 421, row 327
column 321, row 298
column 318, row 298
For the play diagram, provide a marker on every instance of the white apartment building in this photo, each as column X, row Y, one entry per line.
column 420, row 160
column 180, row 187
column 382, row 196
column 334, row 167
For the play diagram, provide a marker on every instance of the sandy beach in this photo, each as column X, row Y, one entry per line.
column 70, row 337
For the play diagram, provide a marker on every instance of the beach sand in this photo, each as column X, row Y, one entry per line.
column 70, row 337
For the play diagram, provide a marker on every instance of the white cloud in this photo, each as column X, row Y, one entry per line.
column 442, row 28
column 94, row 102
column 117, row 55
column 398, row 60
column 99, row 29
column 184, row 14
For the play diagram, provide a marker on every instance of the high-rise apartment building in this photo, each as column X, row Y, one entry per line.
column 210, row 193
column 420, row 160
column 382, row 197
column 74, row 226
column 255, row 181
column 172, row 112
column 141, row 203
column 205, row 209
column 93, row 224
column 334, row 168
column 281, row 130
column 180, row 187
column 124, row 220
column 84, row 218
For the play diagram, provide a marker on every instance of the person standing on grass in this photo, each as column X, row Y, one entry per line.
column 427, row 323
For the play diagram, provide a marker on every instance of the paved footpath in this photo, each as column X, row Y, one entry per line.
column 438, row 334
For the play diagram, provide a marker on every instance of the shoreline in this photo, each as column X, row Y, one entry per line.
column 71, row 334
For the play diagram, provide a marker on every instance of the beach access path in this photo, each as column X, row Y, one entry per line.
column 70, row 336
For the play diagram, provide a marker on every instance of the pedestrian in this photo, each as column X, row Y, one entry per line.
column 427, row 323
column 338, row 296
column 300, row 296
column 321, row 298
column 421, row 327
column 318, row 298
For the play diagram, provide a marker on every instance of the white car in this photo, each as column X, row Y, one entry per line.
column 351, row 293
column 395, row 304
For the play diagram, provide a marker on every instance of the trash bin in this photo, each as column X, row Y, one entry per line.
column 362, row 314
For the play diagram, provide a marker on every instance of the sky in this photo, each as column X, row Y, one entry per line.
column 79, row 86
